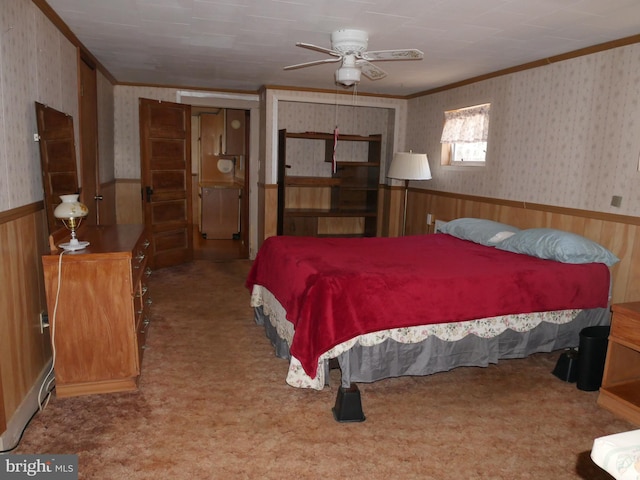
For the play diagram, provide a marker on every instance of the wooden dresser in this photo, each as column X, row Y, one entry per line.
column 620, row 390
column 99, row 328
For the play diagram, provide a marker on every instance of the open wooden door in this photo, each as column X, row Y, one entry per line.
column 89, row 143
column 165, row 156
column 57, row 159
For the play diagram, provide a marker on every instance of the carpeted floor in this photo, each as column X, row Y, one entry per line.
column 213, row 404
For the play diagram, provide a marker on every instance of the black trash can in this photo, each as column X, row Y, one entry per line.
column 592, row 352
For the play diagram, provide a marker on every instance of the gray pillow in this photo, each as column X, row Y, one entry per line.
column 551, row 244
column 484, row 232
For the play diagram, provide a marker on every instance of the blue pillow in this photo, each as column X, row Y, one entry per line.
column 484, row 232
column 551, row 244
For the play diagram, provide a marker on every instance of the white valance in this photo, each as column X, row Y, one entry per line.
column 466, row 125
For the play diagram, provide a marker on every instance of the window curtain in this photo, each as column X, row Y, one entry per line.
column 467, row 125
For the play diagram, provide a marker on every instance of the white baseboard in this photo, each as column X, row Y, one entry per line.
column 24, row 412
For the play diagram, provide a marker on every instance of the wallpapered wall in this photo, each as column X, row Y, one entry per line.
column 566, row 134
column 105, row 129
column 127, row 127
column 308, row 157
column 305, row 118
column 37, row 63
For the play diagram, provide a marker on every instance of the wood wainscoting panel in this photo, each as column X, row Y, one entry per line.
column 270, row 211
column 618, row 233
column 24, row 351
column 129, row 201
column 633, row 280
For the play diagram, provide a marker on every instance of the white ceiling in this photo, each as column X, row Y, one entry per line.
column 244, row 44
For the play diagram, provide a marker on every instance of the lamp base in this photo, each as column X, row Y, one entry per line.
column 73, row 246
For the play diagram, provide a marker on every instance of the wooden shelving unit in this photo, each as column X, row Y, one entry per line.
column 620, row 390
column 345, row 204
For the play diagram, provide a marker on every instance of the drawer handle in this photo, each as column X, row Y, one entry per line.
column 149, row 301
column 140, row 256
column 148, row 272
column 146, row 243
column 145, row 324
column 142, row 292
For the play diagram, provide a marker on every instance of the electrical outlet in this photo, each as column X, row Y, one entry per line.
column 44, row 321
column 616, row 201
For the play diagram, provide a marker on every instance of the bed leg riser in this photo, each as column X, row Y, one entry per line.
column 348, row 407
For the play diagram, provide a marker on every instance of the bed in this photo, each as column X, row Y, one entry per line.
column 416, row 305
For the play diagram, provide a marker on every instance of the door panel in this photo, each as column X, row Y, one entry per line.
column 90, row 194
column 171, row 240
column 57, row 159
column 165, row 150
column 168, row 212
column 168, row 182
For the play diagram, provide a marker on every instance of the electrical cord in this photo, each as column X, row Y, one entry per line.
column 52, row 329
column 2, row 452
column 48, row 384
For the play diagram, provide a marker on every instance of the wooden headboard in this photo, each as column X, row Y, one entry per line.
column 618, row 233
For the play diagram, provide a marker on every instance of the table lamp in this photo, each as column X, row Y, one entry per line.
column 71, row 211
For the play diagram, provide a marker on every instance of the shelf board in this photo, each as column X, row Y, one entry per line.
column 628, row 391
column 329, row 136
column 343, row 163
column 295, row 181
column 622, row 399
column 352, row 187
column 328, row 212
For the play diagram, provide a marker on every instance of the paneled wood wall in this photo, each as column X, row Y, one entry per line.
column 618, row 233
column 108, row 203
column 24, row 350
column 129, row 201
column 269, row 222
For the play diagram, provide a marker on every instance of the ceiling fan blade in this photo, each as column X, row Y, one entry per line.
column 318, row 49
column 405, row 54
column 311, row 64
column 371, row 71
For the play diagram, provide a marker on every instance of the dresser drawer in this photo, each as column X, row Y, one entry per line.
column 139, row 258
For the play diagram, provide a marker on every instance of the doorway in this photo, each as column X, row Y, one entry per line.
column 220, row 179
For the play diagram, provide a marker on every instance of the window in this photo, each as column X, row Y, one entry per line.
column 464, row 136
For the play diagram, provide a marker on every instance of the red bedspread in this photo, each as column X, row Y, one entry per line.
column 334, row 289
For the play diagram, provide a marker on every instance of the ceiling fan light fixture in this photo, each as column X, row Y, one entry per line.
column 349, row 41
column 348, row 76
column 349, row 46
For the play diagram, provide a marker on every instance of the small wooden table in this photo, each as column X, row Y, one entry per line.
column 620, row 390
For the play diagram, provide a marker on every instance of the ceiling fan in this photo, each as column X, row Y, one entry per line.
column 349, row 46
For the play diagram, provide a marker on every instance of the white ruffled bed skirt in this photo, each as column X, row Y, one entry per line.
column 431, row 348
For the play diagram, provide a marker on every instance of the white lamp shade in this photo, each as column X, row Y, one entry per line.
column 410, row 166
column 348, row 76
column 70, row 207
